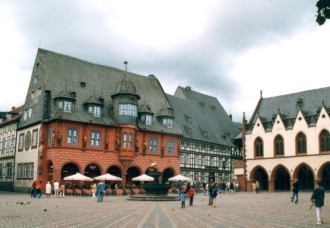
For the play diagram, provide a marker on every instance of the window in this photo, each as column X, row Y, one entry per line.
column 21, row 142
column 301, row 143
column 127, row 140
column 25, row 170
column 19, row 171
column 127, row 110
column 30, row 112
column 153, row 145
column 9, row 169
column 95, row 139
column 1, row 145
column 13, row 139
column 8, row 144
column 50, row 136
column 66, row 105
column 259, row 147
column 95, row 110
column 170, row 146
column 279, row 145
column 34, row 138
column 72, row 136
column 168, row 122
column 325, row 141
column 148, row 119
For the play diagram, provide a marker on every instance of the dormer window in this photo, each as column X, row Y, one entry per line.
column 127, row 110
column 95, row 110
column 168, row 122
column 66, row 105
column 147, row 119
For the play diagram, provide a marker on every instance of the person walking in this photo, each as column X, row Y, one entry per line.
column 318, row 200
column 100, row 189
column 191, row 194
column 56, row 188
column 182, row 197
column 214, row 194
column 211, row 187
column 295, row 190
column 254, row 187
column 48, row 189
column 257, row 187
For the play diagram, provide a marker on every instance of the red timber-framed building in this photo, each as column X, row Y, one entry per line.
column 93, row 119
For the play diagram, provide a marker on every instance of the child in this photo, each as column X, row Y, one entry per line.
column 191, row 195
column 182, row 197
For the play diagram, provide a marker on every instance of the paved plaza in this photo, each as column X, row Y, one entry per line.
column 240, row 210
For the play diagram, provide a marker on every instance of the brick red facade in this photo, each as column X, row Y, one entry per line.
column 57, row 153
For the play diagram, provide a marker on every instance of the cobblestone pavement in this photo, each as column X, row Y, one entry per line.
column 239, row 210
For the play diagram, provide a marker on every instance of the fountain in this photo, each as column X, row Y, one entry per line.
column 154, row 191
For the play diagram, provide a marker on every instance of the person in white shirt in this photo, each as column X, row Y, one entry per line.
column 48, row 189
column 56, row 188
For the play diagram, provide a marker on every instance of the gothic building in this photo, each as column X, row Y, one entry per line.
column 287, row 138
column 93, row 119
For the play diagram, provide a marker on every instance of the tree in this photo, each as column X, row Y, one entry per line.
column 323, row 11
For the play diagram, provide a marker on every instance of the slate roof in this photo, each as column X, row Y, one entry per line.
column 84, row 82
column 201, row 117
column 309, row 101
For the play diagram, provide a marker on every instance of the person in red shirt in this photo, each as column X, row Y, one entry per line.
column 191, row 194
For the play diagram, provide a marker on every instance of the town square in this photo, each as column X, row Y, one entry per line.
column 240, row 210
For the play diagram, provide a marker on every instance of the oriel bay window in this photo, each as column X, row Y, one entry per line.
column 127, row 141
column 127, row 109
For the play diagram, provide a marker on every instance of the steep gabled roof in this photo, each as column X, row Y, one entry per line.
column 288, row 106
column 64, row 76
column 201, row 117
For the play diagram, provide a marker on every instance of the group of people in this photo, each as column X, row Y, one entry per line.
column 38, row 188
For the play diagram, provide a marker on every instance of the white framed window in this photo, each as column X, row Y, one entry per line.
column 19, row 171
column 170, row 146
column 95, row 139
column 168, row 122
column 72, row 136
column 148, row 119
column 67, row 106
column 95, row 110
column 127, row 109
column 127, row 140
column 20, row 142
column 30, row 112
column 9, row 169
column 153, row 145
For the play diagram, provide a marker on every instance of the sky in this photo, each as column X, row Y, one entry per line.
column 231, row 50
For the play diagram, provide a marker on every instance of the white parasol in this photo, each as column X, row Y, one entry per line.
column 143, row 177
column 179, row 178
column 78, row 177
column 107, row 177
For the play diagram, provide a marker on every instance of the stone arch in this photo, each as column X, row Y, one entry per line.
column 281, row 177
column 69, row 169
column 92, row 170
column 324, row 175
column 260, row 174
column 131, row 173
column 305, row 175
column 167, row 173
column 114, row 170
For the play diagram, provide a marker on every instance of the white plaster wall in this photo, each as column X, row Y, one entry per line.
column 24, row 156
column 290, row 159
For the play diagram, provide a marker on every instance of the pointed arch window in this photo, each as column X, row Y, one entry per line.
column 259, row 147
column 301, row 143
column 325, row 141
column 279, row 145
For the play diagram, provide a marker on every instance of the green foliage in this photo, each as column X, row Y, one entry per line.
column 323, row 11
